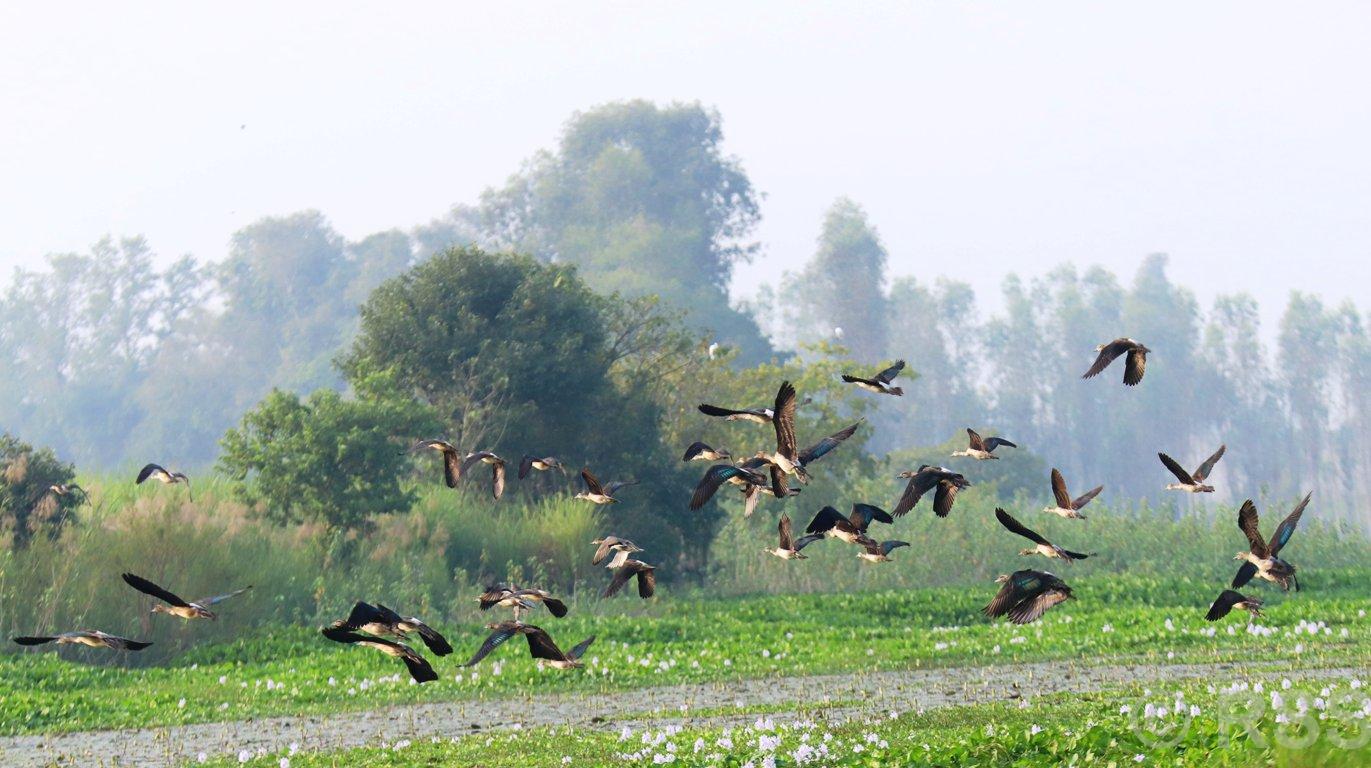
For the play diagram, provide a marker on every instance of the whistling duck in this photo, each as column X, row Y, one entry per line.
column 754, row 415
column 175, row 606
column 543, row 464
column 621, row 548
column 1066, row 506
column 91, row 637
column 595, row 493
column 1026, row 595
column 789, row 547
column 1192, row 482
column 540, row 645
column 982, row 449
column 718, row 474
column 829, row 522
column 67, row 489
column 1261, row 559
column 647, row 579
column 878, row 551
column 881, row 383
column 497, row 468
column 699, row 451
column 925, row 479
column 510, row 596
column 786, row 457
column 418, row 666
column 1040, row 546
column 380, row 620
column 1228, row 600
column 1133, row 365
column 452, row 459
column 160, row 474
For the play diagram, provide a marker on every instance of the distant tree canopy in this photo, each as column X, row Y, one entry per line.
column 27, row 507
column 644, row 201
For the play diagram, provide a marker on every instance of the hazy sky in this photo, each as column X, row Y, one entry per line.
column 982, row 138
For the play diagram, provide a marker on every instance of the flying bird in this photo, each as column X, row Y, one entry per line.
column 1027, row 595
column 1066, row 506
column 879, row 552
column 754, row 415
column 647, row 579
column 699, row 451
column 982, row 449
column 1040, row 546
column 747, row 474
column 510, row 596
column 160, row 474
column 418, row 666
column 595, row 493
column 452, row 458
column 829, row 522
column 544, row 464
column 926, row 479
column 497, row 468
column 1133, row 364
column 786, row 458
column 881, row 383
column 1261, row 559
column 789, row 547
column 91, row 637
column 175, row 606
column 1228, row 600
column 67, row 489
column 540, row 644
column 1192, row 482
column 780, row 486
column 380, row 620
column 621, row 548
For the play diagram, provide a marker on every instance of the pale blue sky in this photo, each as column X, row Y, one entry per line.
column 981, row 138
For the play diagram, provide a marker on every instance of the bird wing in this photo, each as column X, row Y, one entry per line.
column 806, row 540
column 943, row 498
column 525, row 464
column 148, row 588
column 1176, row 469
column 1223, row 604
column 361, row 615
column 1208, row 465
column 784, row 421
column 1000, row 604
column 452, row 468
column 780, row 486
column 817, row 450
column 751, row 495
column 602, row 551
column 889, row 546
column 498, row 479
column 621, row 576
column 824, row 520
column 1245, row 573
column 473, row 460
column 917, row 486
column 977, row 444
column 208, row 601
column 696, row 448
column 1107, row 355
column 432, row 638
column 614, row 485
column 647, row 582
column 714, row 477
column 1084, row 498
column 418, row 667
column 501, row 633
column 850, row 379
column 33, row 640
column 554, row 606
column 540, row 645
column 1134, row 366
column 1008, row 521
column 579, row 650
column 863, row 514
column 1059, row 490
column 714, row 410
column 1287, row 527
column 147, row 471
column 344, row 634
column 1250, row 525
column 991, row 443
column 592, row 484
column 783, row 528
column 1032, row 609
column 889, row 374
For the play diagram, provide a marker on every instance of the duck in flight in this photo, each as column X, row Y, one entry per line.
column 926, row 479
column 497, row 468
column 1228, row 600
column 747, row 474
column 418, row 666
column 647, row 579
column 175, row 606
column 621, row 548
column 1065, row 505
column 67, row 489
column 595, row 493
column 786, row 458
column 543, row 464
column 780, row 486
column 1026, row 595
column 830, row 523
column 1134, row 364
column 699, row 451
column 380, row 621
column 878, row 551
column 754, row 415
column 452, row 458
column 789, row 547
column 880, row 384
column 1192, row 482
column 91, row 637
column 1262, row 558
column 510, row 596
column 162, row 475
column 540, row 645
column 1040, row 546
column 982, row 449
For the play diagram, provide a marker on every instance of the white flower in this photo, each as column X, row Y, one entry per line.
column 202, row 757
column 566, row 759
column 244, row 755
column 284, row 762
column 1035, row 730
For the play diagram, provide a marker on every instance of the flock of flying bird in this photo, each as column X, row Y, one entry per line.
column 1025, row 595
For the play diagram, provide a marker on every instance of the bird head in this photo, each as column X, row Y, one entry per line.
column 1240, row 556
column 1027, row 551
column 1002, row 578
column 896, row 390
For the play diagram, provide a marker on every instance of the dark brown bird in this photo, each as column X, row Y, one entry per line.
column 543, row 464
column 1192, row 482
column 1040, row 546
column 497, row 468
column 91, row 637
column 1228, row 600
column 925, row 479
column 175, row 606
column 880, row 384
column 647, row 579
column 1065, row 505
column 982, row 449
column 452, row 459
column 1027, row 595
column 1261, row 559
column 418, row 666
column 380, row 620
column 1134, row 365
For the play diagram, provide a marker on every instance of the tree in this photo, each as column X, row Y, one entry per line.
column 643, row 200
column 27, row 505
column 326, row 459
